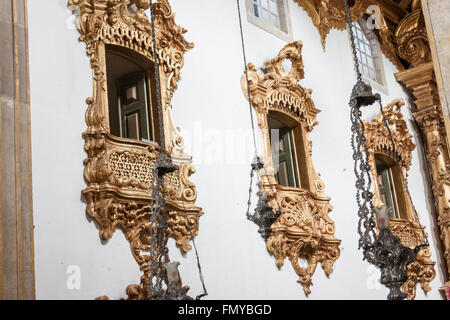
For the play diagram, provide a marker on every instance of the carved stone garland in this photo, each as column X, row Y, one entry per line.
column 118, row 171
column 304, row 229
column 408, row 229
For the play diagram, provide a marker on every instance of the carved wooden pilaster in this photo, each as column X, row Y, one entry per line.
column 421, row 81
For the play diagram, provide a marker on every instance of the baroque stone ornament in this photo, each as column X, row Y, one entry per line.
column 118, row 171
column 407, row 227
column 303, row 229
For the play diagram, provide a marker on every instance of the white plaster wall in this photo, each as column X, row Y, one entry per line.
column 214, row 117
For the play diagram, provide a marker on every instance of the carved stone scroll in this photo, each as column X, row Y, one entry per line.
column 304, row 229
column 118, row 171
column 407, row 228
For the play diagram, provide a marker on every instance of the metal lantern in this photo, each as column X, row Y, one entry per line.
column 384, row 250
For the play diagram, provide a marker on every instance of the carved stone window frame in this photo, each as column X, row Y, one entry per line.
column 284, row 32
column 304, row 229
column 118, row 171
column 407, row 227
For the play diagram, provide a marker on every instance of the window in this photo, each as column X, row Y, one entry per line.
column 283, row 153
column 386, row 187
column 286, row 116
column 390, row 189
column 270, row 15
column 131, row 114
column 268, row 11
column 369, row 55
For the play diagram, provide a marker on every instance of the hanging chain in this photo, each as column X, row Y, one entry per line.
column 264, row 215
column 246, row 78
column 158, row 232
column 199, row 267
column 158, row 226
column 352, row 38
column 159, row 253
column 366, row 222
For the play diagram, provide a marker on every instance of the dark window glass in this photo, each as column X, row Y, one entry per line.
column 130, row 113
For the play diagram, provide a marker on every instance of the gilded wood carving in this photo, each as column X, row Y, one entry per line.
column 420, row 79
column 304, row 229
column 330, row 14
column 412, row 40
column 118, row 171
column 408, row 227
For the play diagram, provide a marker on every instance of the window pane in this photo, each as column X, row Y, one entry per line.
column 365, row 71
column 132, row 121
column 256, row 10
column 131, row 94
column 273, row 6
column 386, row 188
column 283, row 174
column 370, row 61
column 274, row 20
column 265, row 15
column 283, row 154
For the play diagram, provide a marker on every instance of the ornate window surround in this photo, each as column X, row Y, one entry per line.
column 407, row 227
column 284, row 32
column 304, row 229
column 118, row 171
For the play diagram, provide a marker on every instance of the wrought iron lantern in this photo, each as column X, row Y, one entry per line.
column 384, row 250
column 264, row 215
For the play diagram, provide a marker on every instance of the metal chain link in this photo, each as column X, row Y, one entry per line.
column 256, row 159
column 158, row 227
column 199, row 267
column 246, row 78
column 352, row 38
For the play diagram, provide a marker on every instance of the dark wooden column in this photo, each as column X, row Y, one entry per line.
column 16, row 214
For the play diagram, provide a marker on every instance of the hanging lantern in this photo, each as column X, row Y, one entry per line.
column 264, row 215
column 384, row 250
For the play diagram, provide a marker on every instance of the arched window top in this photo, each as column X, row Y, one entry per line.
column 369, row 55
